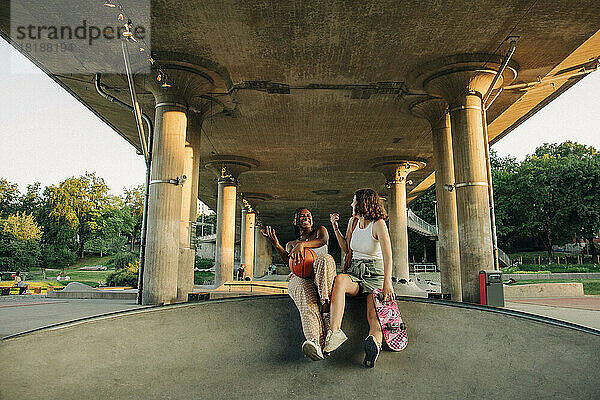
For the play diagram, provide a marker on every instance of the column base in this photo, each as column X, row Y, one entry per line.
column 409, row 288
column 185, row 282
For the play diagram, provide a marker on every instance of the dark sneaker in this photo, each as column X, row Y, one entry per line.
column 372, row 350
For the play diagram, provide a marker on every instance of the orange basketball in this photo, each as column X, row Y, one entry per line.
column 304, row 268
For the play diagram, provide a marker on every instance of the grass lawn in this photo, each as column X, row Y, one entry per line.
column 590, row 286
column 92, row 278
column 204, row 278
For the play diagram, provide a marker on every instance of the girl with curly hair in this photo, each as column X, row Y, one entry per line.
column 371, row 268
column 311, row 295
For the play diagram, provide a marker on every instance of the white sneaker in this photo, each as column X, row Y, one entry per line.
column 312, row 350
column 333, row 340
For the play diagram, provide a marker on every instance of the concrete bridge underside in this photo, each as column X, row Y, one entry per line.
column 250, row 348
column 305, row 102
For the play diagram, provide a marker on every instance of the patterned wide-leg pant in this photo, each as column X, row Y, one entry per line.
column 309, row 294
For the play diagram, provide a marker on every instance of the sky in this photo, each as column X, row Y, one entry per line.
column 48, row 136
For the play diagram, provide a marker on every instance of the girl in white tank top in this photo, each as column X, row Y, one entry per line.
column 370, row 268
column 364, row 246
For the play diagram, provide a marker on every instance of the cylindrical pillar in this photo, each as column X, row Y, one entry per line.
column 398, row 226
column 471, row 193
column 244, row 212
column 268, row 256
column 164, row 212
column 260, row 248
column 463, row 90
column 247, row 243
column 396, row 170
column 447, row 220
column 185, row 275
column 224, row 262
column 447, row 247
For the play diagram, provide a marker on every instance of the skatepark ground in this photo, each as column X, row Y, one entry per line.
column 250, row 347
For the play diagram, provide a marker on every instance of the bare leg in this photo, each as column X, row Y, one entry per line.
column 342, row 286
column 374, row 327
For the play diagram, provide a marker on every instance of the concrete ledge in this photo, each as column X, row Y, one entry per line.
column 98, row 294
column 574, row 275
column 572, row 289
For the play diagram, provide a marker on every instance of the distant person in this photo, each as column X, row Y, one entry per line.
column 58, row 278
column 370, row 268
column 311, row 295
column 240, row 273
column 18, row 282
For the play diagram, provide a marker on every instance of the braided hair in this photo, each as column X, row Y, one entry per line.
column 297, row 225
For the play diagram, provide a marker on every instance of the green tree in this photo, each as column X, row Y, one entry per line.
column 582, row 208
column 509, row 221
column 421, row 248
column 19, row 242
column 134, row 200
column 210, row 224
column 115, row 225
column 9, row 198
column 78, row 203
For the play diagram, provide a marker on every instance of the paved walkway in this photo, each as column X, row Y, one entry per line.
column 22, row 313
column 578, row 310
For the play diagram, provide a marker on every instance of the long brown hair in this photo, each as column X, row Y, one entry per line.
column 368, row 205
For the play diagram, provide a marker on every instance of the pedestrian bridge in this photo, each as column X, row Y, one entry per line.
column 250, row 348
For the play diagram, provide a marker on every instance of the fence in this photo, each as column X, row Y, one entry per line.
column 423, row 267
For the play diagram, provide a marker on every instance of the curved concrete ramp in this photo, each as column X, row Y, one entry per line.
column 250, row 348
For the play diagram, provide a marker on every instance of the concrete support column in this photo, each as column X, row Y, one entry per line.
column 185, row 275
column 168, row 248
column 398, row 225
column 447, row 246
column 244, row 212
column 189, row 206
column 247, row 242
column 463, row 86
column 471, row 193
column 224, row 257
column 164, row 213
column 260, row 249
column 396, row 171
column 228, row 169
column 268, row 256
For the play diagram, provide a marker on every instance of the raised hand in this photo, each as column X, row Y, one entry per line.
column 269, row 233
column 334, row 220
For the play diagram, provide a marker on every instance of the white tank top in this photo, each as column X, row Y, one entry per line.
column 364, row 246
column 321, row 250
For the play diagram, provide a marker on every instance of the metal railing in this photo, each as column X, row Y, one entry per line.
column 423, row 267
column 418, row 225
column 503, row 258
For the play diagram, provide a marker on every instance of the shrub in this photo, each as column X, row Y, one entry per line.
column 122, row 260
column 204, row 263
column 127, row 276
column 203, row 278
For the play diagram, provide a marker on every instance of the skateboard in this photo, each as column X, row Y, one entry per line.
column 394, row 330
